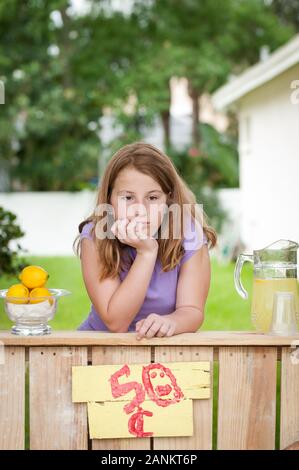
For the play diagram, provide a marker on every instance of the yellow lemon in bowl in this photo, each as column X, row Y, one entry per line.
column 38, row 295
column 33, row 276
column 18, row 290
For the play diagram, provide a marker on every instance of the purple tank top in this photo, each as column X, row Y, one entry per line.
column 161, row 294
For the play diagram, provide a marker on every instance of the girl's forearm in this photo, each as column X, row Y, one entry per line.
column 127, row 300
column 187, row 319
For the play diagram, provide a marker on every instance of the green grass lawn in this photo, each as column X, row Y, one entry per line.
column 225, row 310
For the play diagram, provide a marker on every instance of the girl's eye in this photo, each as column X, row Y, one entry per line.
column 152, row 198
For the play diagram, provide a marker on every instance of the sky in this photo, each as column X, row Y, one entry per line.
column 119, row 5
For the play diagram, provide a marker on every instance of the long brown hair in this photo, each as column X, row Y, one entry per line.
column 151, row 161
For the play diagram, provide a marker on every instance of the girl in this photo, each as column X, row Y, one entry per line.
column 137, row 278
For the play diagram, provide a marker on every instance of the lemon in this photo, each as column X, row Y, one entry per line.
column 18, row 290
column 37, row 295
column 33, row 276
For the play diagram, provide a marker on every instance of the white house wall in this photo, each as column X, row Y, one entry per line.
column 269, row 162
column 50, row 219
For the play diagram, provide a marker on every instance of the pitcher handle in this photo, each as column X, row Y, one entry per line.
column 237, row 275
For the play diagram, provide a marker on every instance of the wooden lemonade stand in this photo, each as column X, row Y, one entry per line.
column 36, row 389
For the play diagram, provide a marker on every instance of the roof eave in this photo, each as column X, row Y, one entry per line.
column 278, row 62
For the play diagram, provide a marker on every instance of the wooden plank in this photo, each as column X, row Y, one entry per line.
column 12, row 398
column 92, row 383
column 247, row 398
column 98, row 338
column 158, row 421
column 121, row 355
column 202, row 409
column 56, row 422
column 289, row 410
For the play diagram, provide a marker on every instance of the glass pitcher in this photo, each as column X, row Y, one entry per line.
column 275, row 269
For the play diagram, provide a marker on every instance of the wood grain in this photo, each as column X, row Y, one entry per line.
column 56, row 422
column 96, row 338
column 247, row 398
column 12, row 398
column 289, row 409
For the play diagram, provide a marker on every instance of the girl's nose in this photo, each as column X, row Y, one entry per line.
column 139, row 211
column 139, row 218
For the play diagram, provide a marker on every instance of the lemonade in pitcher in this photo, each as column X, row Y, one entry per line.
column 275, row 269
column 262, row 300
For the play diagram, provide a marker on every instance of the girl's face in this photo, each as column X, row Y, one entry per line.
column 138, row 195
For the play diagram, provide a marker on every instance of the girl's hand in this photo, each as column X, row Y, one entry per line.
column 155, row 325
column 134, row 233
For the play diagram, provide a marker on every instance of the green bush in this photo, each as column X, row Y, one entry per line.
column 10, row 261
column 191, row 170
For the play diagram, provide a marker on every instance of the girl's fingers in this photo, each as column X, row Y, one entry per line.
column 146, row 326
column 131, row 230
column 163, row 331
column 126, row 230
column 171, row 330
column 138, row 325
column 113, row 228
column 152, row 331
column 121, row 230
column 141, row 230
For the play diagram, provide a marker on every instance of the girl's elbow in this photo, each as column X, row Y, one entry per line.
column 119, row 329
column 199, row 322
column 116, row 327
column 112, row 324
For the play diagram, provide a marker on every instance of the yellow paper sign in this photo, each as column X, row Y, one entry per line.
column 107, row 420
column 141, row 400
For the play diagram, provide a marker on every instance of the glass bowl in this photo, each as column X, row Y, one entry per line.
column 31, row 319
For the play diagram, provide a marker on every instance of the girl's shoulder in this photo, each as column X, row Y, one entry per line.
column 86, row 230
column 194, row 239
column 194, row 235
